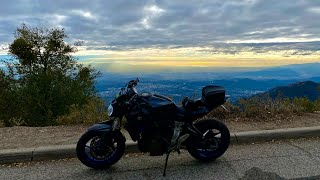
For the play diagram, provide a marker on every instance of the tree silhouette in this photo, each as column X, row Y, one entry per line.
column 47, row 78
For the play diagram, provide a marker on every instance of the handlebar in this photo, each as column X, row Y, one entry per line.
column 128, row 91
column 133, row 83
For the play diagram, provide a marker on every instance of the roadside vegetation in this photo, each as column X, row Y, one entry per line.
column 42, row 84
column 266, row 109
column 93, row 111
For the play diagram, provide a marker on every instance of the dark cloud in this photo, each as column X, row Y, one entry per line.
column 129, row 24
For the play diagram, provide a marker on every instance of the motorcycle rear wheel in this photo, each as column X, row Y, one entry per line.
column 215, row 142
column 93, row 150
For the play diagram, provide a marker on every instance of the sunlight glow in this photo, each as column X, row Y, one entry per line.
column 197, row 57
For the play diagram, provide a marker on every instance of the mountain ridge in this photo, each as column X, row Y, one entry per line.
column 308, row 89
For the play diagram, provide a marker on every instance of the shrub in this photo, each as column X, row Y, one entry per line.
column 266, row 108
column 305, row 104
column 43, row 80
column 92, row 112
column 221, row 113
column 1, row 123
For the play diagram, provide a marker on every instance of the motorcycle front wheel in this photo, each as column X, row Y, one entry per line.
column 97, row 150
column 214, row 141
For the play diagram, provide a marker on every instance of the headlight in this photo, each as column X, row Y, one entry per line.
column 110, row 110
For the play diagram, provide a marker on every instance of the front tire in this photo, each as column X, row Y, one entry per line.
column 98, row 150
column 214, row 144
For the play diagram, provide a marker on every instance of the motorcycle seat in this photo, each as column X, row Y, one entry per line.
column 191, row 105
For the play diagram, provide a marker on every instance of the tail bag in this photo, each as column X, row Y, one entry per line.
column 213, row 96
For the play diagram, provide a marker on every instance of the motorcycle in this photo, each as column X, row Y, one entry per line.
column 158, row 125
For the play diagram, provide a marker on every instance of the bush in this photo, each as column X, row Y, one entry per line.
column 266, row 108
column 43, row 81
column 305, row 105
column 317, row 104
column 92, row 112
column 221, row 113
column 1, row 123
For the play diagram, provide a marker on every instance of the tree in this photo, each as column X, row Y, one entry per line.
column 48, row 79
column 8, row 104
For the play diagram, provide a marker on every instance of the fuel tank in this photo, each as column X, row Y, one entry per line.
column 153, row 107
column 159, row 102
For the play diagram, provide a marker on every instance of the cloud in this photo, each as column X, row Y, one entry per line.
column 230, row 26
column 84, row 14
column 315, row 10
column 151, row 12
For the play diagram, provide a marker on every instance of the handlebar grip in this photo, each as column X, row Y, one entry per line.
column 132, row 83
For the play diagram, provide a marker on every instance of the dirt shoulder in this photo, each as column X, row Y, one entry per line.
column 306, row 120
column 31, row 137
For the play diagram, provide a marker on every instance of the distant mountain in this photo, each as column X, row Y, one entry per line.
column 293, row 71
column 308, row 89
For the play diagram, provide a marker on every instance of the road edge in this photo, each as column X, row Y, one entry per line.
column 68, row 151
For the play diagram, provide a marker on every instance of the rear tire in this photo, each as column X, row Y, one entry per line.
column 89, row 153
column 220, row 143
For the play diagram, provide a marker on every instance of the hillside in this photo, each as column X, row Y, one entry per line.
column 308, row 89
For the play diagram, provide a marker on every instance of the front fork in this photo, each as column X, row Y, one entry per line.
column 116, row 125
column 115, row 131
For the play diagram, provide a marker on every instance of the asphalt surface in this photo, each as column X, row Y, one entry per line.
column 295, row 159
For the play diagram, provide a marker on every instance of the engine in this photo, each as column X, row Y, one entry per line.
column 151, row 122
column 153, row 142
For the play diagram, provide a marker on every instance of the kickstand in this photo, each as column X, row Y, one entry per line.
column 165, row 166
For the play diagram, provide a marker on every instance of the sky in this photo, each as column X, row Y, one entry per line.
column 154, row 35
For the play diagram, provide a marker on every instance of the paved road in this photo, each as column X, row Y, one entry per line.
column 297, row 159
